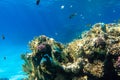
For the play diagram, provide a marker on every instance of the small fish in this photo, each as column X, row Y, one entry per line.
column 88, row 25
column 72, row 15
column 3, row 37
column 4, row 58
column 37, row 2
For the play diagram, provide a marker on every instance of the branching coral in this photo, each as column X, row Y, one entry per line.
column 93, row 57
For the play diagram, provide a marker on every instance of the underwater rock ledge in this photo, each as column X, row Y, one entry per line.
column 96, row 56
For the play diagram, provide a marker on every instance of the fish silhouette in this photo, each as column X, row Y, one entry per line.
column 72, row 15
column 3, row 37
column 37, row 2
column 4, row 58
column 88, row 25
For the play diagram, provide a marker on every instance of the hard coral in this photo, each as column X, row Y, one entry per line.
column 96, row 56
column 96, row 69
column 99, row 42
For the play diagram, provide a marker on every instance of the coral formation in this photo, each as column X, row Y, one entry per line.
column 95, row 56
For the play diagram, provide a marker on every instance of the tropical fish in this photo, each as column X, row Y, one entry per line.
column 4, row 58
column 3, row 37
column 72, row 15
column 37, row 2
column 88, row 25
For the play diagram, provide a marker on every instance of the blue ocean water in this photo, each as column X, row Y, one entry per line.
column 63, row 20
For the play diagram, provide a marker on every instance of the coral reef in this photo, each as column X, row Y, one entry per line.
column 95, row 56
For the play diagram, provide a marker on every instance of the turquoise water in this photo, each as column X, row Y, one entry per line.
column 21, row 20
